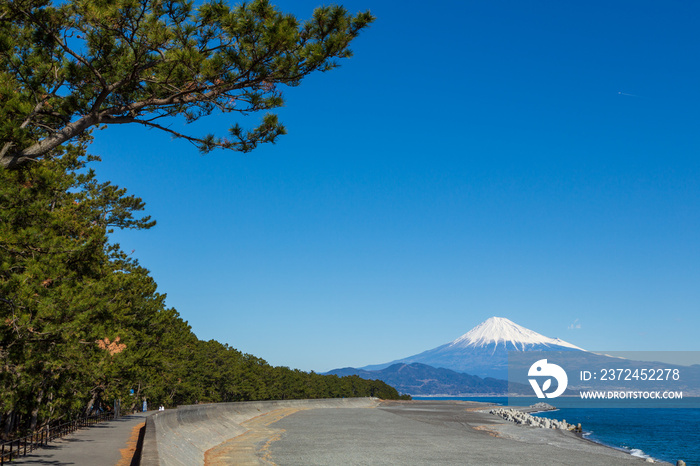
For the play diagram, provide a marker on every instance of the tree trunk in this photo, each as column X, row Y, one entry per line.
column 35, row 411
column 9, row 423
column 91, row 403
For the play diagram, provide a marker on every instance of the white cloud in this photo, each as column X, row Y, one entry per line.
column 575, row 325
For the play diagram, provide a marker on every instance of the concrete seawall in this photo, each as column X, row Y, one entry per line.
column 182, row 436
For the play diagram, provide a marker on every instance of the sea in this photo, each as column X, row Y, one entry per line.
column 667, row 434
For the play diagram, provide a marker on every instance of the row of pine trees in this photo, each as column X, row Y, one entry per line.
column 82, row 324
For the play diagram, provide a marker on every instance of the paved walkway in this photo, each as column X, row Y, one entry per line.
column 91, row 446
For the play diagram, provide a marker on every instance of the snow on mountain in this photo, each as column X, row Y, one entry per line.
column 483, row 351
column 497, row 330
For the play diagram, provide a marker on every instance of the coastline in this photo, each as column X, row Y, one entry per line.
column 586, row 435
column 524, row 416
column 583, row 436
column 636, row 448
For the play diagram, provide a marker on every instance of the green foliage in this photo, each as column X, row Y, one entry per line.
column 62, row 285
column 68, row 68
column 82, row 324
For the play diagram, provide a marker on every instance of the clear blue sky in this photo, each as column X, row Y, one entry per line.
column 531, row 160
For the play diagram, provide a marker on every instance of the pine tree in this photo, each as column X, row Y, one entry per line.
column 73, row 66
column 66, row 293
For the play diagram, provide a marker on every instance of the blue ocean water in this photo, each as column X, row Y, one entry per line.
column 667, row 434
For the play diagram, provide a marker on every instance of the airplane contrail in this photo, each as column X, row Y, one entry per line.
column 630, row 95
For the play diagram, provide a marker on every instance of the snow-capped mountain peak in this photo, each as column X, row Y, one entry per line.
column 483, row 351
column 499, row 330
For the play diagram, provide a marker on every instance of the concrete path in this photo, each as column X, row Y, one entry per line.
column 97, row 445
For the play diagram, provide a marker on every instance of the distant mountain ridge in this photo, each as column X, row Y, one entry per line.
column 483, row 351
column 477, row 363
column 420, row 379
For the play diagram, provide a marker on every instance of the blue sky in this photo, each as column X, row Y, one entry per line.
column 530, row 160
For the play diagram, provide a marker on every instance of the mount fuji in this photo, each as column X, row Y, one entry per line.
column 477, row 363
column 483, row 351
